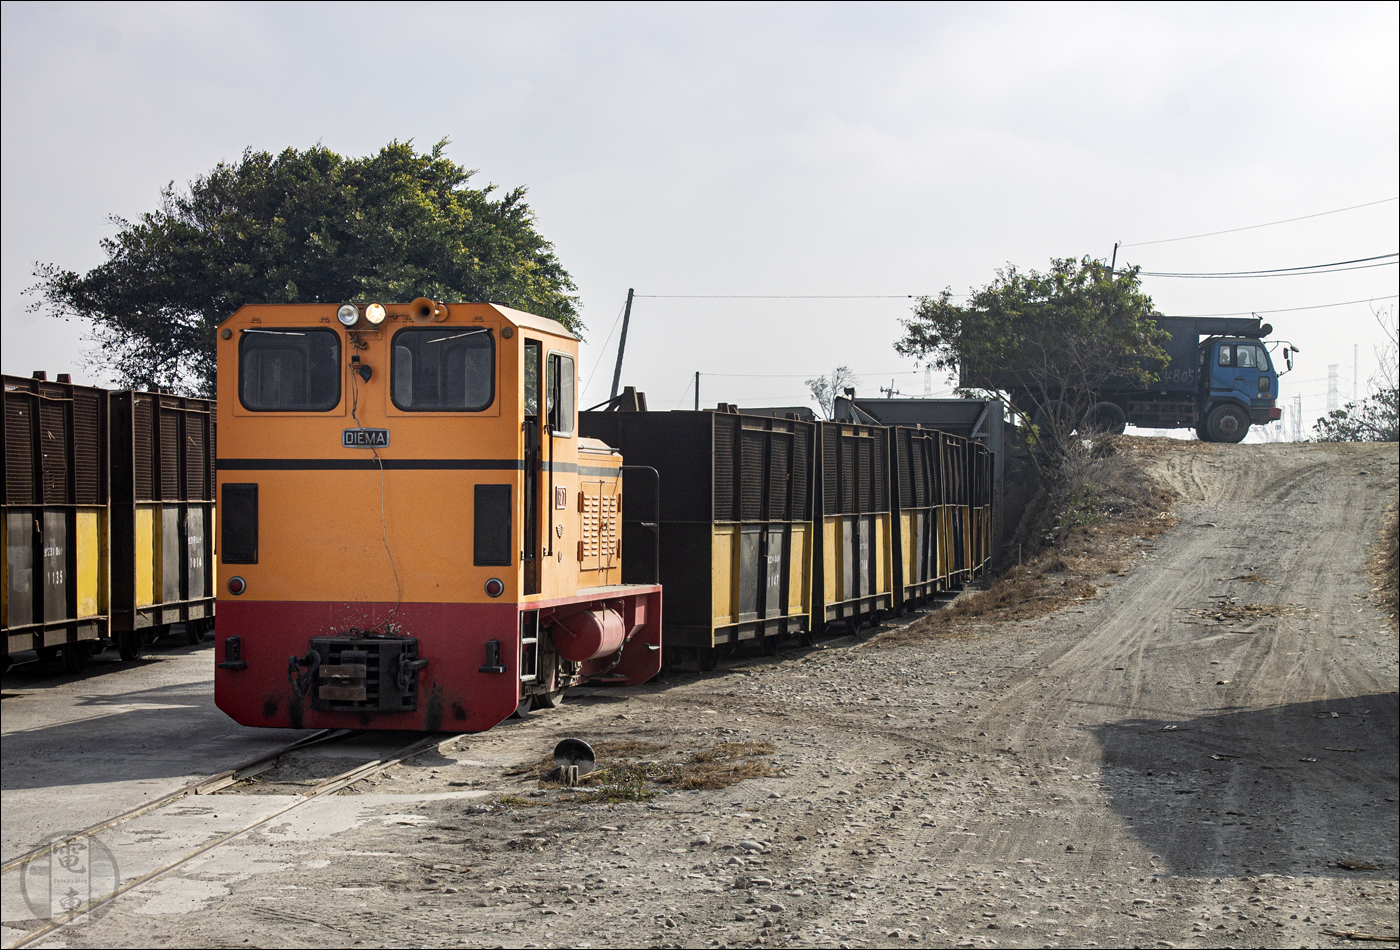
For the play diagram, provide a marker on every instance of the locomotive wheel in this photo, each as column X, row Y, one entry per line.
column 669, row 661
column 549, row 699
column 75, row 657
column 129, row 645
column 522, row 710
column 706, row 659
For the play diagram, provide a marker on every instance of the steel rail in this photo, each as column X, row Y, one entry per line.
column 200, row 787
column 327, row 787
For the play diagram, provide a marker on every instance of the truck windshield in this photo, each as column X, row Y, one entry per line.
column 289, row 370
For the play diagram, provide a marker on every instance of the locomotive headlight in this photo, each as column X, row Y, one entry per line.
column 374, row 313
column 348, row 314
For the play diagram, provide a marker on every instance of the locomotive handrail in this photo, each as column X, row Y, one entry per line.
column 654, row 525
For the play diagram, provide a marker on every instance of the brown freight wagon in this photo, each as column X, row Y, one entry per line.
column 855, row 541
column 736, row 535
column 55, row 524
column 108, row 518
column 162, row 510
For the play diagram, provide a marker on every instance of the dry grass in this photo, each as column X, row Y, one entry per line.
column 724, row 765
column 1100, row 508
column 1385, row 559
column 634, row 771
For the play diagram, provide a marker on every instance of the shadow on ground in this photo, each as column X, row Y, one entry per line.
column 1299, row 788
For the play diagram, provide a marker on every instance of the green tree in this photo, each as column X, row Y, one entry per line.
column 1047, row 343
column 298, row 227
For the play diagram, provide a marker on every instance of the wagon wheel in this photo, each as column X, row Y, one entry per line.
column 75, row 657
column 804, row 637
column 129, row 644
column 47, row 654
column 195, row 630
column 706, row 659
column 768, row 645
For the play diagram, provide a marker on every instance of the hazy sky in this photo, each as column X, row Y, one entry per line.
column 761, row 150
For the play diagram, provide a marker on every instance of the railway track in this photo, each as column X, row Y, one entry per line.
column 206, row 786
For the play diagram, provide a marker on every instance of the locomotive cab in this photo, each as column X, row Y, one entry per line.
column 412, row 533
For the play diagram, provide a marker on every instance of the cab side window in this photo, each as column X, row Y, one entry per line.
column 559, row 387
column 1244, row 356
column 1226, row 352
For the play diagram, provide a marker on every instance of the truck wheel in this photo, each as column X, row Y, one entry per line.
column 1227, row 423
column 1105, row 417
column 1047, row 415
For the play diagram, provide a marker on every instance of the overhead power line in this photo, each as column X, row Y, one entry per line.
column 1360, row 263
column 778, row 296
column 1319, row 306
column 1266, row 224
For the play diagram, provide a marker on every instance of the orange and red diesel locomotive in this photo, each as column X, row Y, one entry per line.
column 416, row 530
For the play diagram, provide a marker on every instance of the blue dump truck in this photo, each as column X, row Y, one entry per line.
column 1219, row 379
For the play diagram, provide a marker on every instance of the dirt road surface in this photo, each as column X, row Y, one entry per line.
column 1203, row 755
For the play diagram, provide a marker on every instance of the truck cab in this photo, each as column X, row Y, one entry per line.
column 1239, row 388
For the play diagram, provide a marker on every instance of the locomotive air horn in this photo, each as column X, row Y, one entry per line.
column 427, row 310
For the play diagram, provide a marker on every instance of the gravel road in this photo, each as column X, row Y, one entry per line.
column 1203, row 755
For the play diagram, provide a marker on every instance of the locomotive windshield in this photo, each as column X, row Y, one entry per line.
column 444, row 369
column 289, row 370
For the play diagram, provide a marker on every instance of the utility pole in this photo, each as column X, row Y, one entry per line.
column 1114, row 262
column 622, row 344
column 697, row 390
column 1355, row 372
column 1297, row 418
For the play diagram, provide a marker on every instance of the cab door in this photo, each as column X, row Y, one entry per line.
column 533, row 438
column 1236, row 370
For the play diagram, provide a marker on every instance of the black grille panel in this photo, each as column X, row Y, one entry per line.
column 238, row 516
column 19, row 457
column 143, row 450
column 53, row 443
column 169, row 455
column 87, row 451
column 751, row 475
column 196, row 451
column 491, row 540
column 801, row 473
column 724, row 467
column 778, row 478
